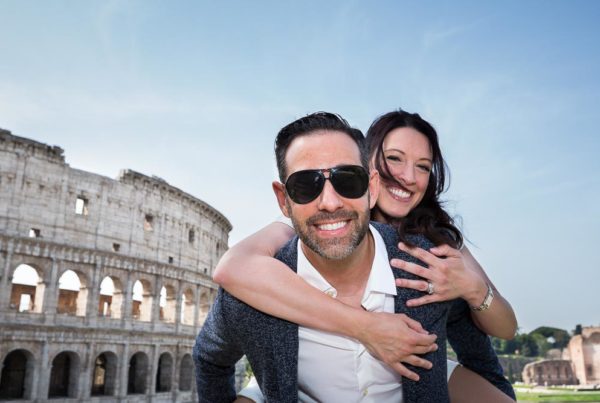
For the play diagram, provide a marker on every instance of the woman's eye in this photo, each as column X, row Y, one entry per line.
column 393, row 158
column 424, row 168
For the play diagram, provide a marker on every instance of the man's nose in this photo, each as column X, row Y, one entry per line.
column 329, row 199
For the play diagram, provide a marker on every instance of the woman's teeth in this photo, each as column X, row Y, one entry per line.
column 400, row 193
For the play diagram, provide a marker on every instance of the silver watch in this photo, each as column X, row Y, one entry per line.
column 487, row 301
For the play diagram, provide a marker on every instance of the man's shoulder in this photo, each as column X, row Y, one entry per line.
column 288, row 254
column 390, row 237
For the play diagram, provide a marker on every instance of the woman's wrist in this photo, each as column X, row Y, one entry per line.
column 357, row 324
column 477, row 295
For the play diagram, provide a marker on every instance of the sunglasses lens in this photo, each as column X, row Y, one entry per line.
column 304, row 186
column 350, row 181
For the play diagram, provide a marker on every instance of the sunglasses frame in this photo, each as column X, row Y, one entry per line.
column 359, row 172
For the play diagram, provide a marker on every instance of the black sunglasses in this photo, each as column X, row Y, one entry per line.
column 349, row 181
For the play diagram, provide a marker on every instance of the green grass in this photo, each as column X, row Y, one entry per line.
column 559, row 397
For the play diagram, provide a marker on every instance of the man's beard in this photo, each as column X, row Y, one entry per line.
column 332, row 248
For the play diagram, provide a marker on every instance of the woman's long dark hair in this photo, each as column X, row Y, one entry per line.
column 428, row 217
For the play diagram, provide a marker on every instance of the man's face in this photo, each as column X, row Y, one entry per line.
column 332, row 226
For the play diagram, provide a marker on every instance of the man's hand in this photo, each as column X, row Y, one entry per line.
column 397, row 339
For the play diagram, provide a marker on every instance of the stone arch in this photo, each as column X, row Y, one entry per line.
column 110, row 300
column 188, row 305
column 167, row 303
column 72, row 293
column 204, row 304
column 137, row 374
column 164, row 373
column 186, row 373
column 16, row 378
column 64, row 376
column 141, row 307
column 104, row 376
column 27, row 292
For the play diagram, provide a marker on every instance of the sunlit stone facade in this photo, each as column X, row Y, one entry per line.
column 103, row 283
column 584, row 352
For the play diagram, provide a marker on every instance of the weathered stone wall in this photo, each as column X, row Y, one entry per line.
column 549, row 373
column 39, row 190
column 584, row 352
column 136, row 228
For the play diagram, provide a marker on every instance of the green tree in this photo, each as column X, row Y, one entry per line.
column 560, row 337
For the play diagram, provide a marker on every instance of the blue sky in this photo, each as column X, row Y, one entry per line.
column 195, row 92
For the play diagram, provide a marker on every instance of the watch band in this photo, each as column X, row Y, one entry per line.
column 487, row 301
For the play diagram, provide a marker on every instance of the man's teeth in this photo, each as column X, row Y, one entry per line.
column 399, row 192
column 332, row 226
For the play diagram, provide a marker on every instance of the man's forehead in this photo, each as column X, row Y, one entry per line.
column 321, row 149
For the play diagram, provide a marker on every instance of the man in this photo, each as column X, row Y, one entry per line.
column 327, row 192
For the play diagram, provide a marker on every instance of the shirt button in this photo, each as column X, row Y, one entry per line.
column 331, row 293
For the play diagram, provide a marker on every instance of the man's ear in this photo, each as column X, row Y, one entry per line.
column 373, row 187
column 279, row 190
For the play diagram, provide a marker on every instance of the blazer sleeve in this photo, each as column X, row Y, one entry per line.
column 215, row 354
column 474, row 348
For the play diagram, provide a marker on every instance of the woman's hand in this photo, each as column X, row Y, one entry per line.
column 396, row 340
column 449, row 275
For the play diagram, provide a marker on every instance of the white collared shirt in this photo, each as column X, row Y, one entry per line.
column 335, row 368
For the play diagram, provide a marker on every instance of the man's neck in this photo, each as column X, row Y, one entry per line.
column 348, row 276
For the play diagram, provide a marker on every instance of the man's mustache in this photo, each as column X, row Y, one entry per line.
column 340, row 215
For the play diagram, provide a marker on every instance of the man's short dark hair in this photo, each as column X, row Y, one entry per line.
column 311, row 123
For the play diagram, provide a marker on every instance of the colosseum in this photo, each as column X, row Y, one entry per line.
column 103, row 283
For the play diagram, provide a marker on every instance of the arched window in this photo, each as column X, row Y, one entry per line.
column 27, row 290
column 142, row 301
column 72, row 294
column 187, row 307
column 204, row 305
column 164, row 373
column 64, row 376
column 17, row 375
column 105, row 375
column 186, row 373
column 167, row 304
column 137, row 374
column 111, row 298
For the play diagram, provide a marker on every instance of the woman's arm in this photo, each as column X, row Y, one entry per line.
column 499, row 320
column 249, row 272
column 456, row 274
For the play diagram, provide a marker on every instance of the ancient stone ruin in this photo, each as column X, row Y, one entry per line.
column 104, row 283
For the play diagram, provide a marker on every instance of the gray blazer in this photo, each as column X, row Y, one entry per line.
column 233, row 329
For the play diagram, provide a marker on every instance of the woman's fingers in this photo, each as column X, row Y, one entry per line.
column 426, row 299
column 419, row 285
column 445, row 251
column 412, row 268
column 405, row 372
column 419, row 253
column 418, row 362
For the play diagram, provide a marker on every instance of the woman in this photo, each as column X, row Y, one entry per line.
column 404, row 149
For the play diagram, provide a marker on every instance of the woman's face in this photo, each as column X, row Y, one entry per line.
column 409, row 160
